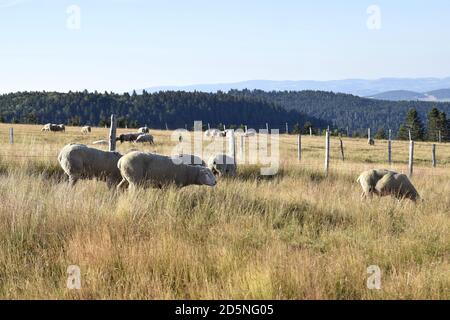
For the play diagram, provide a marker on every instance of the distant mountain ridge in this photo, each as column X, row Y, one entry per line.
column 359, row 87
column 441, row 95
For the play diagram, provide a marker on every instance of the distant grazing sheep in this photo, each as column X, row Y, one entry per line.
column 250, row 133
column 86, row 129
column 82, row 162
column 210, row 133
column 148, row 169
column 222, row 165
column 145, row 138
column 397, row 185
column 144, row 130
column 46, row 127
column 130, row 137
column 54, row 127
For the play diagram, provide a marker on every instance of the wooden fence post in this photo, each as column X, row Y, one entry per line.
column 342, row 149
column 390, row 147
column 368, row 136
column 299, row 147
column 327, row 151
column 112, row 133
column 440, row 137
column 242, row 148
column 287, row 128
column 348, row 132
column 409, row 133
column 11, row 135
column 167, row 128
column 411, row 158
column 267, row 127
column 310, row 131
column 246, row 128
column 433, row 155
column 209, row 127
column 231, row 145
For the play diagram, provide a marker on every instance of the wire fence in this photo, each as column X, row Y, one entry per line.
column 46, row 145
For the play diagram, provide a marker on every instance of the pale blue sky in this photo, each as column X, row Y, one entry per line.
column 127, row 44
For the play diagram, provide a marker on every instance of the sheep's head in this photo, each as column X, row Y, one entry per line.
column 206, row 177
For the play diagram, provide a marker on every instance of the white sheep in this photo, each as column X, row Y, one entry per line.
column 144, row 130
column 144, row 138
column 149, row 169
column 369, row 179
column 189, row 159
column 82, row 162
column 397, row 185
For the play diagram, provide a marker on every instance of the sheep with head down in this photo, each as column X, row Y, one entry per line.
column 154, row 170
column 144, row 130
column 369, row 179
column 397, row 185
column 384, row 182
column 222, row 165
column 82, row 162
column 145, row 138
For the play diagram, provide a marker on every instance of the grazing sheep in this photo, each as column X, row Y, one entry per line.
column 58, row 127
column 128, row 137
column 82, row 162
column 189, row 159
column 144, row 130
column 148, row 169
column 46, row 127
column 144, row 138
column 397, row 185
column 212, row 133
column 222, row 165
column 54, row 127
column 369, row 179
column 86, row 129
column 101, row 142
column 250, row 133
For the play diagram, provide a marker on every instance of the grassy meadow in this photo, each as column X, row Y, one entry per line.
column 297, row 235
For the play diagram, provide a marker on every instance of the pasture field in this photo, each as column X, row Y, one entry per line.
column 297, row 235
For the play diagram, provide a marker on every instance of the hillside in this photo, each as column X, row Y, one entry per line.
column 344, row 110
column 359, row 87
column 441, row 95
column 399, row 95
column 176, row 109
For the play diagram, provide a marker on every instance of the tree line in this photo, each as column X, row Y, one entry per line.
column 305, row 110
column 345, row 111
column 174, row 109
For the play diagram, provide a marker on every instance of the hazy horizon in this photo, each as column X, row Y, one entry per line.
column 122, row 45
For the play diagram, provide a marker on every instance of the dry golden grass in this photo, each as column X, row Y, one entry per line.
column 299, row 235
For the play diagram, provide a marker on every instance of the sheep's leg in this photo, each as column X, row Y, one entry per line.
column 122, row 185
column 72, row 180
column 131, row 187
column 110, row 183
